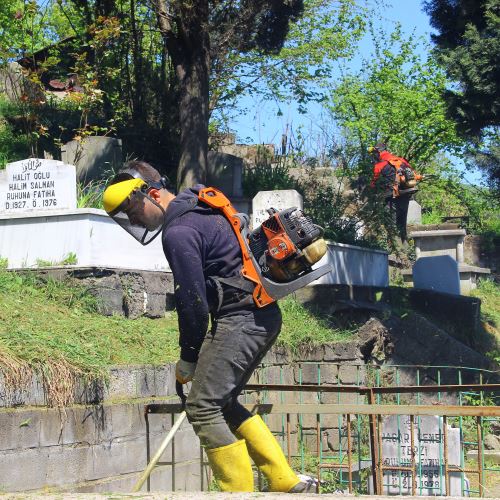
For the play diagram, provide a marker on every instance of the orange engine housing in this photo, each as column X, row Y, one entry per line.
column 279, row 245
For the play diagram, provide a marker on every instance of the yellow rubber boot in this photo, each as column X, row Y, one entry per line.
column 231, row 467
column 267, row 454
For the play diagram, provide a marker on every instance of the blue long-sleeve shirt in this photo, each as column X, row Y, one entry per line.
column 197, row 245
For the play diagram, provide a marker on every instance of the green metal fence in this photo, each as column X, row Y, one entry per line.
column 331, row 420
column 351, row 456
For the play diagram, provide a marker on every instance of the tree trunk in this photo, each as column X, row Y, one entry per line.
column 193, row 117
column 189, row 47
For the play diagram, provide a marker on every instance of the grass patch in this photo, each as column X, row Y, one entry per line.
column 489, row 293
column 53, row 329
column 305, row 327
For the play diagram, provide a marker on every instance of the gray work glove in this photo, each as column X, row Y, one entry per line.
column 184, row 371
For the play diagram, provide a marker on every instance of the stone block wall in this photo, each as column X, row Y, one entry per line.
column 125, row 382
column 99, row 448
column 130, row 293
column 328, row 365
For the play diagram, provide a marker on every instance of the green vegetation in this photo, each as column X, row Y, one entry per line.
column 54, row 329
column 89, row 195
column 69, row 260
column 13, row 146
column 489, row 293
column 302, row 327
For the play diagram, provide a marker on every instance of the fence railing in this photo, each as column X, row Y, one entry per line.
column 346, row 443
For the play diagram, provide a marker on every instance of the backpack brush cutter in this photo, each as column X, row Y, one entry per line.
column 278, row 255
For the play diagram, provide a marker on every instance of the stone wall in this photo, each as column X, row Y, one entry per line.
column 328, row 365
column 130, row 293
column 99, row 444
column 99, row 448
column 478, row 252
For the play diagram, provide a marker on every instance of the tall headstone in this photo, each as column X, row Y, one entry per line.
column 438, row 273
column 94, row 157
column 225, row 172
column 414, row 213
column 278, row 199
column 37, row 184
column 428, row 450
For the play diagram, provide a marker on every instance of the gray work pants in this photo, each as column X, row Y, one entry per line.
column 230, row 353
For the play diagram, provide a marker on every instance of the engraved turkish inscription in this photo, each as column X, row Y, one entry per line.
column 37, row 184
column 427, row 451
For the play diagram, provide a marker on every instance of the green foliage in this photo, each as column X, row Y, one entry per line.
column 69, row 260
column 396, row 97
column 468, row 46
column 489, row 293
column 267, row 176
column 448, row 194
column 89, row 195
column 303, row 327
column 4, row 263
column 13, row 146
column 432, row 217
column 324, row 32
column 485, row 155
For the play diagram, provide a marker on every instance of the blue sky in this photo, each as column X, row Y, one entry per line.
column 262, row 125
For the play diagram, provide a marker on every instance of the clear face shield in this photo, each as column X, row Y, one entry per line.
column 139, row 214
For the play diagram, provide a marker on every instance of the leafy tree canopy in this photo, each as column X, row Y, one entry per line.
column 325, row 32
column 468, row 47
column 396, row 98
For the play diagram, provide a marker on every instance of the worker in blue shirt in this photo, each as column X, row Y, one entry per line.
column 201, row 248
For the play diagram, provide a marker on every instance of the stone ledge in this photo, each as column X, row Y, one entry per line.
column 125, row 382
column 437, row 232
column 462, row 268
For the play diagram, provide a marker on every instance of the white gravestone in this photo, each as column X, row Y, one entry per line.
column 414, row 213
column 37, row 184
column 428, row 450
column 279, row 200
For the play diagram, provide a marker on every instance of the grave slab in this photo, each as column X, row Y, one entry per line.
column 37, row 185
column 428, row 451
column 414, row 213
column 438, row 273
column 94, row 156
column 279, row 200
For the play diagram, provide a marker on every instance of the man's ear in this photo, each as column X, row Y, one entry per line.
column 155, row 194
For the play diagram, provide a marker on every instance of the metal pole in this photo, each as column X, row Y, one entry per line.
column 413, row 462
column 159, row 453
column 480, row 463
column 373, row 446
column 446, row 468
column 165, row 443
column 349, row 451
column 148, row 447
